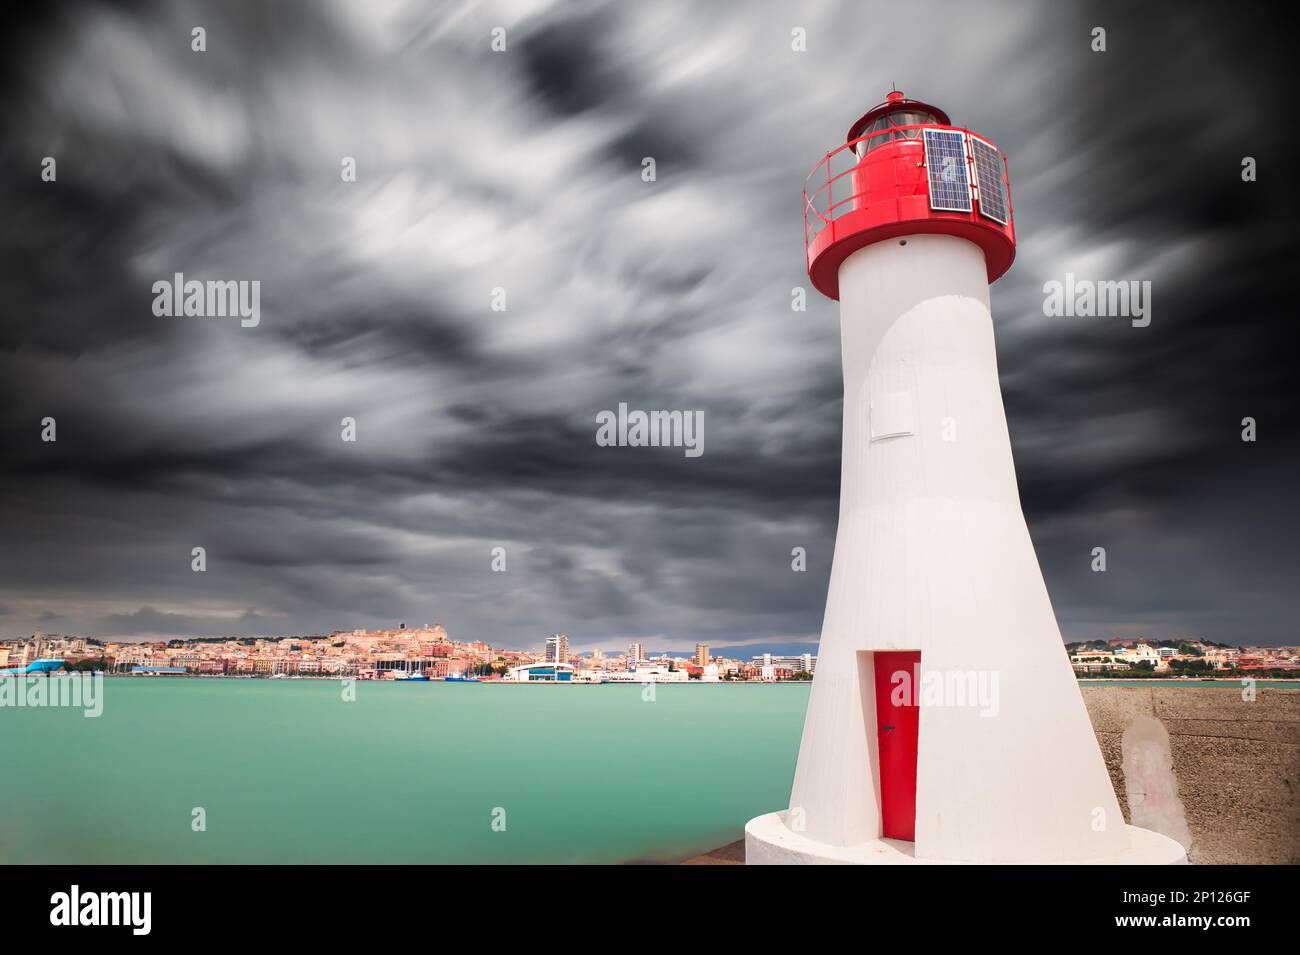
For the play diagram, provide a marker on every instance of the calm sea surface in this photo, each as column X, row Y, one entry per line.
column 288, row 772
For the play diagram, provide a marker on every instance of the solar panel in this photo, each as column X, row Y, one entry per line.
column 945, row 162
column 988, row 173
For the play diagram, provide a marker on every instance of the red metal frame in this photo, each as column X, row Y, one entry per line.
column 895, row 102
column 883, row 210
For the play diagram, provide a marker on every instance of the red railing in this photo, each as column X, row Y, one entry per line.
column 815, row 219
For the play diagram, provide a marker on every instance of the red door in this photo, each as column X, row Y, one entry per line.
column 897, row 721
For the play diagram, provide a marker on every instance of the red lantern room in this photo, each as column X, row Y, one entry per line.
column 905, row 170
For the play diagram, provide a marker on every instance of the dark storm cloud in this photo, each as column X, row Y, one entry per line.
column 149, row 620
column 522, row 170
column 565, row 70
column 1130, row 438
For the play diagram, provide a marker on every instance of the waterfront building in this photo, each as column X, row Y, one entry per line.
column 540, row 672
column 1097, row 661
column 647, row 674
column 701, row 654
column 803, row 662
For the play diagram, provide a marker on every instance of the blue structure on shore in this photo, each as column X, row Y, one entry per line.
column 36, row 666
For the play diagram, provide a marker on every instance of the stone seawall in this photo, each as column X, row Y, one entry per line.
column 1202, row 763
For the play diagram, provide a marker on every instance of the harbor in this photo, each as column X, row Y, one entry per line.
column 291, row 771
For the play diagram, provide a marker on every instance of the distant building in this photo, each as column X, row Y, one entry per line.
column 648, row 674
column 1097, row 661
column 557, row 648
column 1221, row 657
column 540, row 673
column 188, row 660
column 805, row 662
column 1141, row 653
column 701, row 654
column 635, row 654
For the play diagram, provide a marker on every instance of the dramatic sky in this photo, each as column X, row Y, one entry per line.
column 522, row 170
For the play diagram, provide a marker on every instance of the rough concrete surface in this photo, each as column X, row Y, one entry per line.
column 1236, row 763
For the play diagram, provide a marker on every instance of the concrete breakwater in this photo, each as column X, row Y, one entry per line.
column 1206, row 767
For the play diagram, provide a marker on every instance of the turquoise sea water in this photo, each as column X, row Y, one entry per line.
column 288, row 772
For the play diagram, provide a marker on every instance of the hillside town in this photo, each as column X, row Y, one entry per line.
column 429, row 652
column 1136, row 657
column 426, row 652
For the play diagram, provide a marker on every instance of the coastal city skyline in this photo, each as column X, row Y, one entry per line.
column 430, row 650
column 546, row 646
column 427, row 651
column 650, row 647
column 651, row 644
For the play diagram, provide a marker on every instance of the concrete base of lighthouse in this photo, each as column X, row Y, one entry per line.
column 769, row 841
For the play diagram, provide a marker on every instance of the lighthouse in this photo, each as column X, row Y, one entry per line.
column 944, row 723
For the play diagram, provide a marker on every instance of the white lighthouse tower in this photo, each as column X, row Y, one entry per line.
column 944, row 723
